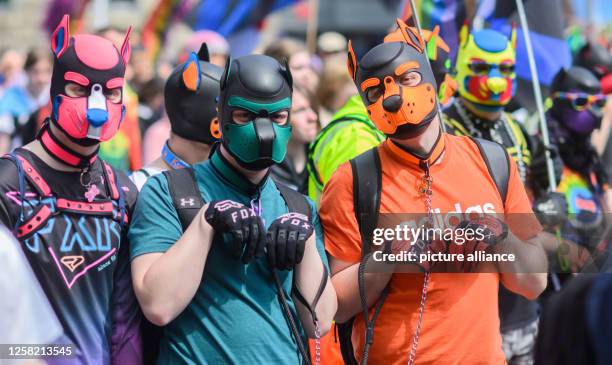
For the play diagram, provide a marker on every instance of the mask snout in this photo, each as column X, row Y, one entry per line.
column 392, row 103
column 497, row 85
column 97, row 114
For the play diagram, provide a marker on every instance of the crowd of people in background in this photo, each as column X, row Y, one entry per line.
column 24, row 91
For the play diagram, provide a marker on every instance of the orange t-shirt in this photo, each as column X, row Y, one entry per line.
column 461, row 322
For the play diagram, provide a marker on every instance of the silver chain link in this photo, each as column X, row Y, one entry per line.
column 417, row 330
column 317, row 339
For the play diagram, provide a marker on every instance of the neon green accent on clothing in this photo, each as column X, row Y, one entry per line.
column 349, row 134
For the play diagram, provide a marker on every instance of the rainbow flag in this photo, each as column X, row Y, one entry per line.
column 156, row 27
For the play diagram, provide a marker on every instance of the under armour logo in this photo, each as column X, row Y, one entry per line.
column 186, row 202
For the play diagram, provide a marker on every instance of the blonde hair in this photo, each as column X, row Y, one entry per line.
column 333, row 78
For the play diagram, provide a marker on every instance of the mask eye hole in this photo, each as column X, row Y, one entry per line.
column 280, row 117
column 374, row 93
column 600, row 102
column 479, row 68
column 410, row 78
column 74, row 90
column 506, row 68
column 113, row 95
column 581, row 102
column 242, row 116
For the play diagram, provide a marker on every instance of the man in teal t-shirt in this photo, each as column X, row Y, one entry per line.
column 212, row 287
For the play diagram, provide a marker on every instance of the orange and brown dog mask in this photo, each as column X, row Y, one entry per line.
column 396, row 83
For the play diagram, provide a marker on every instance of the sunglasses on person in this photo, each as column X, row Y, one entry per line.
column 483, row 68
column 582, row 101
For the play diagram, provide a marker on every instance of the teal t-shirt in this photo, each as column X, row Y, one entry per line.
column 235, row 316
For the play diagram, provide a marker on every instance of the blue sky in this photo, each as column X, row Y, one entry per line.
column 602, row 10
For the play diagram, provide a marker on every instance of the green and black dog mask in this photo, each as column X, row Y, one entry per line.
column 262, row 86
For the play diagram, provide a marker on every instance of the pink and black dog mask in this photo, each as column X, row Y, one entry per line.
column 97, row 66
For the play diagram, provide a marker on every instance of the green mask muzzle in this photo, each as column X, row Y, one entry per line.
column 257, row 144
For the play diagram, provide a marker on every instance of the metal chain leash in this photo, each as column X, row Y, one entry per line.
column 417, row 330
column 426, row 190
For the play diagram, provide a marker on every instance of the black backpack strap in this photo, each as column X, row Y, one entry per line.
column 498, row 163
column 185, row 194
column 367, row 187
column 295, row 201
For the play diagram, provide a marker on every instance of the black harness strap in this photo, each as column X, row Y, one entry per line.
column 26, row 227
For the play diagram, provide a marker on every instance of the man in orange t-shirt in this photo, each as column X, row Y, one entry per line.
column 459, row 323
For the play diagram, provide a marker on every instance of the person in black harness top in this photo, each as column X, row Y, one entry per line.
column 228, row 261
column 70, row 210
column 190, row 96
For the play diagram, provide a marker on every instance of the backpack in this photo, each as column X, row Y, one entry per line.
column 188, row 201
column 367, row 186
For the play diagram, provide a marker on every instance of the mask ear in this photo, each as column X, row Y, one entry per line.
column 61, row 37
column 351, row 61
column 228, row 64
column 215, row 130
column 191, row 73
column 203, row 54
column 513, row 36
column 126, row 49
column 558, row 80
column 287, row 72
column 464, row 33
column 411, row 36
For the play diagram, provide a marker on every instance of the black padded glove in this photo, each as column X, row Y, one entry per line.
column 286, row 240
column 551, row 209
column 246, row 228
